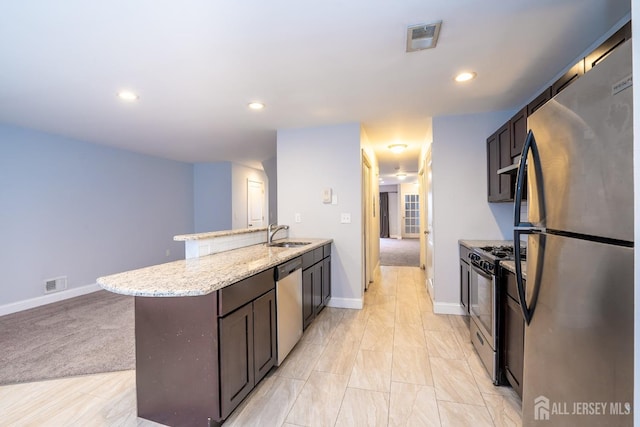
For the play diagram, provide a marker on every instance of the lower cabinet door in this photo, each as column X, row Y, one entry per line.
column 514, row 344
column 317, row 288
column 326, row 280
column 307, row 297
column 236, row 358
column 264, row 334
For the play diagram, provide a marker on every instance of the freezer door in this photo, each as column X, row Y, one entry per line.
column 584, row 136
column 579, row 344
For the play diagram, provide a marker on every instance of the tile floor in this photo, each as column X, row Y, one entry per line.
column 394, row 363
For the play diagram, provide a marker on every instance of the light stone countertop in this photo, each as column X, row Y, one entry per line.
column 479, row 243
column 201, row 276
column 511, row 266
column 213, row 234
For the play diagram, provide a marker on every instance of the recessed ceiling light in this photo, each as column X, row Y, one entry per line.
column 127, row 95
column 397, row 148
column 465, row 76
column 401, row 175
column 256, row 105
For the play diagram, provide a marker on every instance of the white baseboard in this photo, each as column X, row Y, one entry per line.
column 15, row 307
column 448, row 308
column 395, row 236
column 355, row 303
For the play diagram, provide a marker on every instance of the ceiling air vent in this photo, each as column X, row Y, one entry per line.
column 423, row 36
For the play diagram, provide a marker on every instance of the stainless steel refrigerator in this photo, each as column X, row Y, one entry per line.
column 578, row 296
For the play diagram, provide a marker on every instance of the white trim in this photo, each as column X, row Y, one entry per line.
column 448, row 308
column 15, row 307
column 356, row 303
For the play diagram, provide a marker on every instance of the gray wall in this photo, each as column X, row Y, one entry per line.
column 271, row 169
column 460, row 207
column 212, row 196
column 310, row 160
column 82, row 210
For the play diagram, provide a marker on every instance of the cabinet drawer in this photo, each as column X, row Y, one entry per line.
column 238, row 294
column 312, row 257
column 307, row 260
column 326, row 250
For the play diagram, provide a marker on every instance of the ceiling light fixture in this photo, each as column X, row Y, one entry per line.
column 397, row 148
column 255, row 105
column 465, row 76
column 127, row 95
column 401, row 175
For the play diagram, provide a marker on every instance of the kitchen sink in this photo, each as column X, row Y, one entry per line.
column 289, row 244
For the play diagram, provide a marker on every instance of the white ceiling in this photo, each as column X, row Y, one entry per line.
column 197, row 63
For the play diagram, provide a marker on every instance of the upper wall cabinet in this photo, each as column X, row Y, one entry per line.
column 568, row 78
column 498, row 157
column 518, row 128
column 601, row 52
column 507, row 142
column 539, row 101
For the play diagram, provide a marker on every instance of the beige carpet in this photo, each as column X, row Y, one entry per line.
column 83, row 335
column 400, row 252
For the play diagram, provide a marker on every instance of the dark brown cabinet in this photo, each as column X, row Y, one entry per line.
column 518, row 129
column 236, row 358
column 247, row 349
column 326, row 279
column 601, row 52
column 499, row 156
column 539, row 101
column 198, row 357
column 513, row 330
column 569, row 77
column 316, row 282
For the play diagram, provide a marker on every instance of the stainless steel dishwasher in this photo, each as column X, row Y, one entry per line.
column 288, row 306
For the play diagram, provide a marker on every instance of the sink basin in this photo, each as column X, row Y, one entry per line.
column 289, row 244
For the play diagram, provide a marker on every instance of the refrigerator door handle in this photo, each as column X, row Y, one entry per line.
column 529, row 145
column 527, row 311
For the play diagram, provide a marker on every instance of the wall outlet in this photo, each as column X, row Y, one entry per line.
column 298, row 217
column 345, row 218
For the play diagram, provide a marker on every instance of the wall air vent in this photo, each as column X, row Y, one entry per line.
column 56, row 284
column 423, row 36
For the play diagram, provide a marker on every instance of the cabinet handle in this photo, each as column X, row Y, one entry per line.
column 480, row 338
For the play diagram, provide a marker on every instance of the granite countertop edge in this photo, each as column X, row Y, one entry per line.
column 214, row 234
column 204, row 275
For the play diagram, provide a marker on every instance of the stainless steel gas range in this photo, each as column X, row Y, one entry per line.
column 484, row 304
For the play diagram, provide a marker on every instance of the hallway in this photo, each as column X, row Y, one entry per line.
column 400, row 252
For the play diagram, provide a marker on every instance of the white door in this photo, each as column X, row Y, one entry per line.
column 255, row 203
column 410, row 211
column 422, row 184
column 428, row 195
column 366, row 214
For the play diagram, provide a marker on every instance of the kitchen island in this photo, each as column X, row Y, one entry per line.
column 205, row 329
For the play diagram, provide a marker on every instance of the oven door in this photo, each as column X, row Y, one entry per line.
column 482, row 302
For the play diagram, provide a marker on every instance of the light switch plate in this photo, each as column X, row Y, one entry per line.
column 334, row 199
column 298, row 217
column 345, row 218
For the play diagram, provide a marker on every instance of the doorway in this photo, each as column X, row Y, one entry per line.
column 255, row 203
column 396, row 247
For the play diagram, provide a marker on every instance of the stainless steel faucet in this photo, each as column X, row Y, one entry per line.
column 271, row 231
